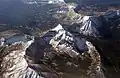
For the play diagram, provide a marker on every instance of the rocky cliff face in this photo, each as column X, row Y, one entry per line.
column 23, row 56
column 13, row 62
column 69, row 44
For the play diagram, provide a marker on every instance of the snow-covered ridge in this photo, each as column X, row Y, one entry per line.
column 68, row 43
column 64, row 41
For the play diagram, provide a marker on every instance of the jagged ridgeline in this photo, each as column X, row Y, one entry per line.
column 47, row 56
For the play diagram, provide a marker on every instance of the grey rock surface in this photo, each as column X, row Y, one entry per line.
column 13, row 63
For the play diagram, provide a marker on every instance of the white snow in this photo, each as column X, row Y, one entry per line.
column 57, row 28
